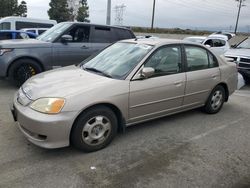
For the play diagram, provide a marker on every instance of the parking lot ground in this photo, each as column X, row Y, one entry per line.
column 190, row 149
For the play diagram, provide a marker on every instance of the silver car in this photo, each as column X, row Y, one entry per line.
column 131, row 81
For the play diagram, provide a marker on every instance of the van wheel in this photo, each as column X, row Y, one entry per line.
column 215, row 100
column 94, row 129
column 21, row 70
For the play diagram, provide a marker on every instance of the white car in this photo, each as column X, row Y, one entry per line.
column 196, row 39
column 217, row 44
column 37, row 31
column 241, row 56
column 223, row 34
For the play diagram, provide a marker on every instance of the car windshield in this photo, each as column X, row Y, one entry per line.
column 54, row 32
column 117, row 60
column 245, row 44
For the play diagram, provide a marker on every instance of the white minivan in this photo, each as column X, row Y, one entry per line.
column 18, row 23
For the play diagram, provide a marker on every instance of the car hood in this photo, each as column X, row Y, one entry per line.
column 238, row 52
column 64, row 82
column 23, row 43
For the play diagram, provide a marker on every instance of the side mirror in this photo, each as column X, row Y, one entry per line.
column 66, row 38
column 147, row 72
column 207, row 45
column 233, row 46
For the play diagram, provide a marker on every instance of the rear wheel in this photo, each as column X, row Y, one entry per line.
column 21, row 70
column 215, row 100
column 94, row 129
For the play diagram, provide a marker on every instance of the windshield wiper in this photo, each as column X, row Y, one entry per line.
column 97, row 71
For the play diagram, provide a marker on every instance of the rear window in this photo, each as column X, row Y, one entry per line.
column 102, row 35
column 124, row 34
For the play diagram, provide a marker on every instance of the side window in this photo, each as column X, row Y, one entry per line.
column 32, row 31
column 197, row 58
column 219, row 43
column 41, row 31
column 212, row 61
column 165, row 61
column 21, row 25
column 209, row 42
column 102, row 35
column 21, row 36
column 79, row 34
column 5, row 26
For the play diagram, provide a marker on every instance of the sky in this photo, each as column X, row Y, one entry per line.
column 186, row 14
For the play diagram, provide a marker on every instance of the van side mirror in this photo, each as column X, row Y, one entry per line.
column 147, row 72
column 66, row 38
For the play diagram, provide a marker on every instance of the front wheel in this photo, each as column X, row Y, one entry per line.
column 215, row 100
column 94, row 129
column 21, row 70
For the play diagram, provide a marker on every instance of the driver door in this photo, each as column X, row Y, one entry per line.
column 74, row 51
column 163, row 93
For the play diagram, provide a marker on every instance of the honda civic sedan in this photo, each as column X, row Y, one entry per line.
column 130, row 82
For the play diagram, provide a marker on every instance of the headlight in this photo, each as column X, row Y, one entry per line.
column 3, row 51
column 48, row 105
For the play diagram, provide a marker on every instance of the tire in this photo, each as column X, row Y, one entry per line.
column 21, row 70
column 94, row 129
column 215, row 100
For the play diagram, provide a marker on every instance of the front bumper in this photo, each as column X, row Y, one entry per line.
column 244, row 72
column 47, row 131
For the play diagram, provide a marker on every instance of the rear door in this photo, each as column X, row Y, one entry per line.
column 75, row 51
column 203, row 74
column 163, row 93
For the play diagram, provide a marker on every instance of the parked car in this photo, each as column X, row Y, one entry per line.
column 9, row 34
column 223, row 34
column 196, row 39
column 241, row 56
column 37, row 31
column 131, row 81
column 217, row 44
column 64, row 44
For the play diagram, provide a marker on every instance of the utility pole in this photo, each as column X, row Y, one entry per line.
column 108, row 21
column 153, row 15
column 238, row 15
column 119, row 11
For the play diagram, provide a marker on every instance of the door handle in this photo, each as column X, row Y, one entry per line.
column 178, row 83
column 215, row 76
column 84, row 47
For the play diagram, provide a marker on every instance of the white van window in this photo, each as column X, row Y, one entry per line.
column 5, row 26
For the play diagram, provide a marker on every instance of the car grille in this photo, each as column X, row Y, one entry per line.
column 244, row 65
column 245, row 60
column 22, row 98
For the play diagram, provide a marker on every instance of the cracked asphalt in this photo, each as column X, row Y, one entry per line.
column 190, row 149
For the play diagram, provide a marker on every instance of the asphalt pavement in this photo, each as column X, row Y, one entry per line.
column 190, row 149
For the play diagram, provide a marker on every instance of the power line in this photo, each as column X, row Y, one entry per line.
column 119, row 12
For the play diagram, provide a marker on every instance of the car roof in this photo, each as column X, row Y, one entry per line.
column 159, row 41
column 85, row 23
column 196, row 37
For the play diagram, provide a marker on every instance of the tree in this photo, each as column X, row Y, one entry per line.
column 83, row 12
column 59, row 10
column 22, row 9
column 11, row 8
column 79, row 10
